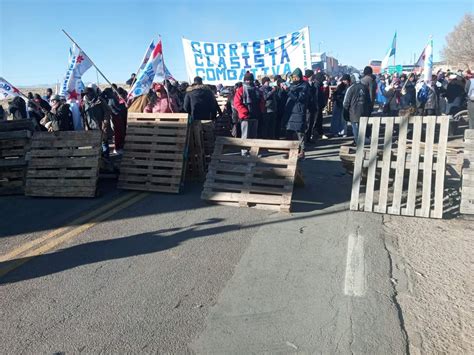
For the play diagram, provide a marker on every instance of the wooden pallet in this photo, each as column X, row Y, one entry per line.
column 15, row 139
column 196, row 165
column 427, row 157
column 264, row 180
column 467, row 192
column 154, row 152
column 63, row 164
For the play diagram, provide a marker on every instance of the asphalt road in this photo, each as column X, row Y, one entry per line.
column 172, row 274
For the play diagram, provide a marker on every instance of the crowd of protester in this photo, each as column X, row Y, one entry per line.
column 283, row 107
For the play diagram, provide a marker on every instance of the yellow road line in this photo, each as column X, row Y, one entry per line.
column 24, row 247
column 71, row 234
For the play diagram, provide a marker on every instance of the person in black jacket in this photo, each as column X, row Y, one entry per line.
column 356, row 104
column 338, row 124
column 282, row 96
column 369, row 81
column 59, row 118
column 17, row 108
column 267, row 122
column 200, row 102
column 295, row 109
column 313, row 104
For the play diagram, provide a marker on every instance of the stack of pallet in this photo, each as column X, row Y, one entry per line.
column 467, row 192
column 14, row 144
column 408, row 182
column 63, row 164
column 154, row 152
column 263, row 178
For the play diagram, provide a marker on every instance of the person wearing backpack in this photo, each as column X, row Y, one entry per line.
column 470, row 98
column 356, row 104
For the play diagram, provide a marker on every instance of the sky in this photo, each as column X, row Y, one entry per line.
column 115, row 33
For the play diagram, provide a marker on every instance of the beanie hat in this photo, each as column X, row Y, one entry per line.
column 308, row 73
column 297, row 72
column 248, row 76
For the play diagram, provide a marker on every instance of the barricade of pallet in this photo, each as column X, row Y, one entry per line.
column 262, row 179
column 63, row 164
column 154, row 152
column 467, row 192
column 392, row 179
column 15, row 139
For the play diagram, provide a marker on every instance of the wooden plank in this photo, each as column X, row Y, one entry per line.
column 369, row 193
column 427, row 169
column 4, row 163
column 440, row 169
column 239, row 159
column 356, row 180
column 386, row 166
column 158, row 117
column 16, row 125
column 60, row 192
column 150, row 163
column 66, row 152
column 15, row 135
column 261, row 143
column 15, row 143
column 413, row 177
column 61, row 181
column 64, row 162
column 245, row 198
column 400, row 168
column 68, row 173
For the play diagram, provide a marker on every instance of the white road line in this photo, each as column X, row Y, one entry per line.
column 354, row 284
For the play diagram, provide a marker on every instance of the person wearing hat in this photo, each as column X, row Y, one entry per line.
column 313, row 103
column 266, row 125
column 356, row 104
column 249, row 104
column 199, row 102
column 295, row 109
column 59, row 117
column 96, row 116
column 338, row 124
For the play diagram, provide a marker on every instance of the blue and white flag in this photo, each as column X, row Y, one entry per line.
column 428, row 65
column 391, row 51
column 145, row 79
column 146, row 57
column 79, row 63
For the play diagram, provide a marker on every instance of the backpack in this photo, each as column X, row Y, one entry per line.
column 423, row 94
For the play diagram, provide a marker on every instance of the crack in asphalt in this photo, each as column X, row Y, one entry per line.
column 395, row 294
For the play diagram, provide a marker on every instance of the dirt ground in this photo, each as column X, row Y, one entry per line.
column 432, row 272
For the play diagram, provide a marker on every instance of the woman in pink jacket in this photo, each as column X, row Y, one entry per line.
column 160, row 102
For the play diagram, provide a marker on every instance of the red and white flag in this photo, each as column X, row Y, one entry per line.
column 7, row 90
column 79, row 63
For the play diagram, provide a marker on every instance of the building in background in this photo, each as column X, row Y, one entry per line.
column 323, row 62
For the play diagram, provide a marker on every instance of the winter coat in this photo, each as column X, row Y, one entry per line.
column 381, row 99
column 95, row 113
column 270, row 97
column 61, row 118
column 432, row 101
column 409, row 99
column 455, row 89
column 17, row 108
column 369, row 82
column 357, row 102
column 200, row 102
column 139, row 104
column 296, row 106
column 249, row 111
column 314, row 96
column 338, row 95
column 162, row 105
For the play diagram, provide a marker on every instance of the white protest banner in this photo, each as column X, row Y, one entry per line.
column 7, row 90
column 227, row 63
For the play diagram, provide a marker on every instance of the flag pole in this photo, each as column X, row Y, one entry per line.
column 95, row 66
